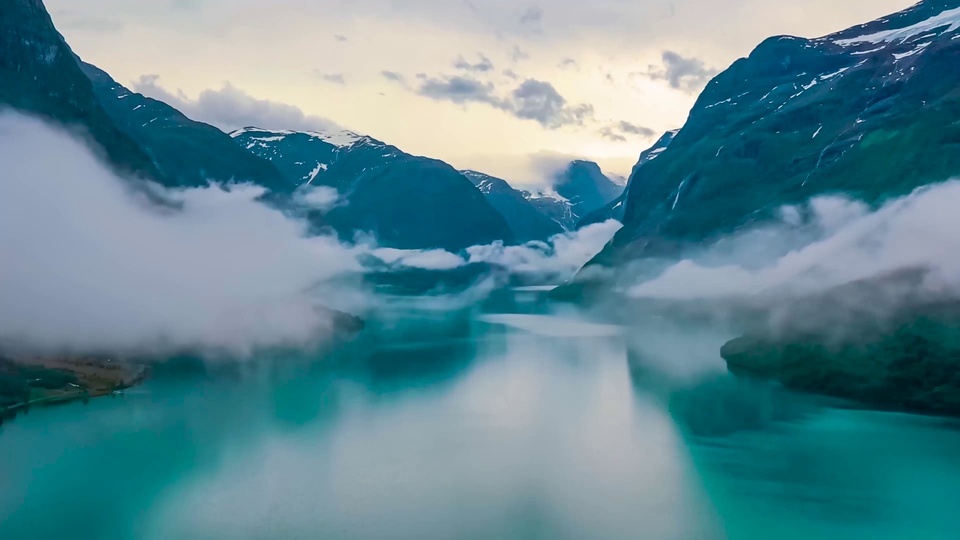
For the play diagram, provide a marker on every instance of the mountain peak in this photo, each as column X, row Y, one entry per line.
column 585, row 186
column 921, row 21
column 340, row 138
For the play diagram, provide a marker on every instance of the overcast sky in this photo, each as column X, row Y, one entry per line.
column 494, row 85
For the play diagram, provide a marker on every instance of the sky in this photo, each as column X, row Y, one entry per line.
column 510, row 88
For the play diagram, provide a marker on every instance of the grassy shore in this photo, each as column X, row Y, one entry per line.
column 30, row 381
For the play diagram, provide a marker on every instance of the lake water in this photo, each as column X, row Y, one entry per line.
column 477, row 425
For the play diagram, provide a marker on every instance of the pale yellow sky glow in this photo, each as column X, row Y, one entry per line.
column 280, row 50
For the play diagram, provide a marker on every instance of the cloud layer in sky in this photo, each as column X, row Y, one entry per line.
column 530, row 100
column 328, row 60
column 231, row 108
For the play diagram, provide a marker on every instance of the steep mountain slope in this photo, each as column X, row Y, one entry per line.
column 405, row 201
column 615, row 208
column 525, row 219
column 39, row 74
column 552, row 205
column 189, row 153
column 873, row 111
column 584, row 185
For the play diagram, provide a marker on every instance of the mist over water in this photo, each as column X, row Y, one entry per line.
column 511, row 421
column 828, row 242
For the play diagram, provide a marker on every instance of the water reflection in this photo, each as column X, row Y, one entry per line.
column 462, row 424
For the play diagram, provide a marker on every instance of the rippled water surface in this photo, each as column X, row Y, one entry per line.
column 477, row 425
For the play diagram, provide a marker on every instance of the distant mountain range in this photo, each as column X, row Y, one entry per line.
column 577, row 191
column 404, row 201
column 526, row 219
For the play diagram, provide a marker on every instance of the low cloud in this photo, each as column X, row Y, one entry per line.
column 555, row 260
column 682, row 73
column 340, row 37
column 89, row 264
column 231, row 108
column 482, row 65
column 832, row 251
column 434, row 259
column 568, row 63
column 560, row 257
column 531, row 100
column 321, row 198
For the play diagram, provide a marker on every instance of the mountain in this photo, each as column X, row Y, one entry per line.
column 872, row 111
column 525, row 219
column 615, row 208
column 188, row 153
column 406, row 201
column 552, row 205
column 40, row 75
column 585, row 187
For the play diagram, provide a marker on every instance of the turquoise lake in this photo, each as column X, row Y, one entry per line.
column 475, row 424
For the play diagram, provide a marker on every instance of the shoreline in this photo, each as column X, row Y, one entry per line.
column 40, row 382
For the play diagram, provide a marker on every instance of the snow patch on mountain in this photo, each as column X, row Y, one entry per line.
column 340, row 139
column 949, row 18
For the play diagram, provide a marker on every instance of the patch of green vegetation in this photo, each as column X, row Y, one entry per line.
column 915, row 367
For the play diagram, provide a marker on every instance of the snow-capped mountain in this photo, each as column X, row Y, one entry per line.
column 872, row 111
column 549, row 203
column 526, row 220
column 302, row 156
column 405, row 201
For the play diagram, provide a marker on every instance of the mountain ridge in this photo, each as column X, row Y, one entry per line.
column 41, row 76
column 868, row 111
column 405, row 201
column 188, row 152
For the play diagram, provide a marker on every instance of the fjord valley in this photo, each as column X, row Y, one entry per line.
column 225, row 317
